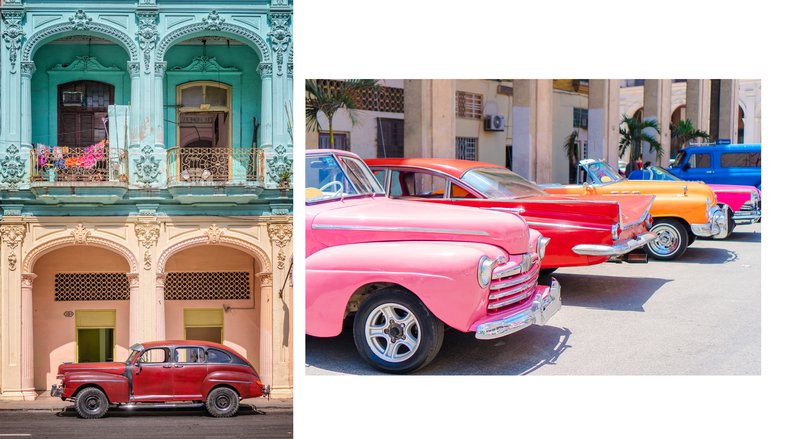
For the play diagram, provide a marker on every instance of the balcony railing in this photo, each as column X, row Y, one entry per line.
column 214, row 166
column 66, row 164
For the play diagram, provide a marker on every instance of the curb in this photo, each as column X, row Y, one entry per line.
column 32, row 406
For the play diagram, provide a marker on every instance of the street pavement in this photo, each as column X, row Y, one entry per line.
column 271, row 422
column 700, row 315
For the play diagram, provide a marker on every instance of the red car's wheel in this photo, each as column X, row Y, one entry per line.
column 91, row 403
column 222, row 402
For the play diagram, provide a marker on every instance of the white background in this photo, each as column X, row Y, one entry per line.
column 576, row 39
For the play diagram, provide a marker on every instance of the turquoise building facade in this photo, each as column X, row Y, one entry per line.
column 157, row 134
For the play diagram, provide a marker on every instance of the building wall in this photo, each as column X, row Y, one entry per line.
column 53, row 331
column 563, row 104
column 491, row 144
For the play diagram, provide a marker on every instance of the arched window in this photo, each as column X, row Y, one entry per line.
column 82, row 112
column 204, row 114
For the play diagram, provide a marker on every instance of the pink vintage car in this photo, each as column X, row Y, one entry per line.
column 407, row 269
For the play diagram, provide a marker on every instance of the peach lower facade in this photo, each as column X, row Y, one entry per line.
column 67, row 282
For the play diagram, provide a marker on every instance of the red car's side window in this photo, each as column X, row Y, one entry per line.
column 155, row 355
column 189, row 355
column 218, row 356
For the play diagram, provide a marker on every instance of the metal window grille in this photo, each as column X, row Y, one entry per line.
column 467, row 148
column 207, row 285
column 340, row 141
column 390, row 137
column 91, row 286
column 469, row 105
column 386, row 99
column 580, row 118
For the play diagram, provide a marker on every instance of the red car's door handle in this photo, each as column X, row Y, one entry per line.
column 177, row 366
column 167, row 366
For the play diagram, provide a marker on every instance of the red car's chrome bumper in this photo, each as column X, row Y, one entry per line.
column 616, row 249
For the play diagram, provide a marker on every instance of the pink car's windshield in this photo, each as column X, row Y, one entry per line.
column 501, row 183
column 329, row 177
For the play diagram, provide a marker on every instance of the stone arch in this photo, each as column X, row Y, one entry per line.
column 91, row 28
column 252, row 249
column 42, row 249
column 240, row 33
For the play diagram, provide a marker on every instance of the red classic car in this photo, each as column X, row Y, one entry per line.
column 159, row 374
column 585, row 230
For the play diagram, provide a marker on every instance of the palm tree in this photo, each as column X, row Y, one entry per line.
column 328, row 98
column 571, row 150
column 631, row 135
column 684, row 131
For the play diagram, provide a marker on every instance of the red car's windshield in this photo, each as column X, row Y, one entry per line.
column 501, row 183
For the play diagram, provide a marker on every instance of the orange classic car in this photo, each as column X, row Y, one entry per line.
column 682, row 210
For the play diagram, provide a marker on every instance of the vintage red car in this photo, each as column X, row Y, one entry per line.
column 162, row 374
column 584, row 230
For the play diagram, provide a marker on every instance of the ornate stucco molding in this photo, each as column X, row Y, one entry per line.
column 12, row 236
column 27, row 69
column 280, row 36
column 279, row 166
column 258, row 42
column 27, row 280
column 214, row 234
column 82, row 64
column 65, row 241
column 79, row 22
column 147, row 170
column 204, row 64
column 264, row 70
column 147, row 234
column 254, row 250
column 13, row 35
column 133, row 280
column 12, row 167
column 147, row 34
column 265, row 278
column 280, row 235
column 80, row 234
column 213, row 22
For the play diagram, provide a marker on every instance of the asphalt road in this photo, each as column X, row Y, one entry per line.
column 144, row 423
column 700, row 315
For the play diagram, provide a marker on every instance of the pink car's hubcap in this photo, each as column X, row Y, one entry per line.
column 393, row 332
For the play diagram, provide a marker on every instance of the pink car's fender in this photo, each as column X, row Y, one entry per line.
column 733, row 196
column 443, row 275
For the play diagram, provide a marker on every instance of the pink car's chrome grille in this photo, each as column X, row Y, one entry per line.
column 512, row 286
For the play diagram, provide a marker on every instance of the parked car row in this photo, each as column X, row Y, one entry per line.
column 408, row 246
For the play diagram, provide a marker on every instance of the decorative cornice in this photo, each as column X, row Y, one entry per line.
column 84, row 63
column 80, row 234
column 204, row 64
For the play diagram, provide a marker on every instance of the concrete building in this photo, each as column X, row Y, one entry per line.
column 145, row 182
column 523, row 124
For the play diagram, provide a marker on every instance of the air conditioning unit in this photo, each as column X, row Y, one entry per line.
column 494, row 122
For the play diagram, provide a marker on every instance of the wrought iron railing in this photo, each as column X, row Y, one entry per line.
column 196, row 165
column 94, row 163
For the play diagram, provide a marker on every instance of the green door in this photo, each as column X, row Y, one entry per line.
column 95, row 330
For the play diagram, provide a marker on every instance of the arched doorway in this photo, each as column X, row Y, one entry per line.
column 81, row 309
column 213, row 294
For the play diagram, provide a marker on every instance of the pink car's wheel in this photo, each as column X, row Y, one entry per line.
column 395, row 332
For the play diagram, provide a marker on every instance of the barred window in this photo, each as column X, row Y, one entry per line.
column 340, row 141
column 580, row 118
column 207, row 285
column 390, row 137
column 467, row 148
column 91, row 286
column 469, row 105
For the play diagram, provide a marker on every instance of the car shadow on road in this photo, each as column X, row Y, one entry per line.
column 704, row 255
column 614, row 293
column 744, row 237
column 461, row 354
column 114, row 412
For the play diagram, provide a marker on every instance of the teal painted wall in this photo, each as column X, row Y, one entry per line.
column 246, row 94
column 44, row 85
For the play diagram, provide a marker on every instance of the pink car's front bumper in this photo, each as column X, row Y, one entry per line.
column 546, row 302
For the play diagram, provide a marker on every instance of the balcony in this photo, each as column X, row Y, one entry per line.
column 214, row 175
column 91, row 174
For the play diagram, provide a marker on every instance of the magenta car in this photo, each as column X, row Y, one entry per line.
column 405, row 270
column 744, row 202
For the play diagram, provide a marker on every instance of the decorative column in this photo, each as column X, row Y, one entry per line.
column 430, row 120
column 657, row 100
column 151, row 318
column 28, row 388
column 532, row 129
column 15, row 324
column 603, row 140
column 280, row 235
column 15, row 127
column 698, row 103
column 280, row 39
column 265, row 327
column 133, row 306
column 729, row 109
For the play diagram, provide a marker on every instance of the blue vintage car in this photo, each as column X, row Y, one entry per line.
column 720, row 163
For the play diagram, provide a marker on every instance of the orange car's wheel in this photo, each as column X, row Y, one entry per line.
column 671, row 241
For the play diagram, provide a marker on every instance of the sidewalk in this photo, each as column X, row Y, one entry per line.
column 45, row 402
